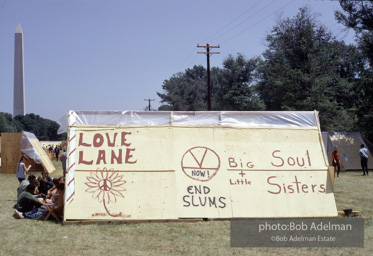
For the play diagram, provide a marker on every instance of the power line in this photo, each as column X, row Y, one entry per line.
column 190, row 54
column 215, row 38
column 221, row 29
column 230, row 38
column 231, row 22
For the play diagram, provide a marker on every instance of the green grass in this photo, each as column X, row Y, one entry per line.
column 31, row 237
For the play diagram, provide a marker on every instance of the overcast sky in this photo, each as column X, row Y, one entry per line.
column 113, row 54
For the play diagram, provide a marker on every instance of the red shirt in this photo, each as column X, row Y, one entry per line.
column 335, row 156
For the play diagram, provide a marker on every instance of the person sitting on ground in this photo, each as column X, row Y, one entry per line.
column 22, row 187
column 58, row 200
column 22, row 170
column 61, row 179
column 45, row 182
column 53, row 190
column 28, row 206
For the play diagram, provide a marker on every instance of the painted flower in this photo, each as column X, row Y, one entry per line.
column 106, row 186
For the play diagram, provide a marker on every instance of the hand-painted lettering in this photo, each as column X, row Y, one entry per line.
column 124, row 134
column 278, row 186
column 242, row 164
column 198, row 196
column 103, row 155
column 280, row 160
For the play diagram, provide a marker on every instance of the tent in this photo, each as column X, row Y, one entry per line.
column 16, row 144
column 132, row 165
column 348, row 148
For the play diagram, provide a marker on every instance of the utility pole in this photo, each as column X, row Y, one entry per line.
column 208, row 53
column 149, row 101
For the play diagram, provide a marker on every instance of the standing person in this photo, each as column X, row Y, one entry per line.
column 363, row 153
column 22, row 169
column 57, row 151
column 63, row 160
column 336, row 161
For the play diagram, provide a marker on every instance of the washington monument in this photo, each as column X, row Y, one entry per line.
column 19, row 82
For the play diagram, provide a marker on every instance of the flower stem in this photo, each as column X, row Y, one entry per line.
column 112, row 215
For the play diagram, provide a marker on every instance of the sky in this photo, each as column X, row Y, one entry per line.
column 115, row 54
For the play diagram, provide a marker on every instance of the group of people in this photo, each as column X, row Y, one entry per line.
column 363, row 153
column 38, row 196
column 57, row 149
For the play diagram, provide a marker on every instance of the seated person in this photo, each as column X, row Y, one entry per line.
column 22, row 187
column 53, row 190
column 61, row 179
column 58, row 201
column 45, row 182
column 28, row 206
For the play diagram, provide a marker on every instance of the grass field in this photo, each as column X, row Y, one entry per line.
column 31, row 237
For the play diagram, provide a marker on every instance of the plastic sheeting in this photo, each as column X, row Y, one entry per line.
column 244, row 119
column 28, row 148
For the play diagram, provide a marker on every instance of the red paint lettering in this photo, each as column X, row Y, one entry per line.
column 305, row 188
column 232, row 163
column 98, row 140
column 81, row 161
column 101, row 157
column 290, row 188
column 299, row 163
column 115, row 157
column 323, row 189
column 124, row 134
column 81, row 143
column 308, row 157
column 313, row 187
column 290, row 159
column 111, row 143
column 128, row 156
column 282, row 160
column 297, row 183
column 274, row 184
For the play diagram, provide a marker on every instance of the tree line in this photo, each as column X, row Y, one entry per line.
column 44, row 129
column 304, row 67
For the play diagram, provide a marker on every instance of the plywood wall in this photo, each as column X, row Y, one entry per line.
column 10, row 152
column 202, row 172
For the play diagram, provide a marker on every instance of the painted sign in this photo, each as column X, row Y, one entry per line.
column 198, row 172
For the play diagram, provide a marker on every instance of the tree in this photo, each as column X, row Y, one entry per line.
column 185, row 91
column 306, row 68
column 233, row 85
column 44, row 129
column 8, row 124
column 358, row 15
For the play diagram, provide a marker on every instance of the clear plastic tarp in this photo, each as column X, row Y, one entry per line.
column 28, row 148
column 244, row 119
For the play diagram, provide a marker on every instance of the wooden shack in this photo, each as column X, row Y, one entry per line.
column 12, row 151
